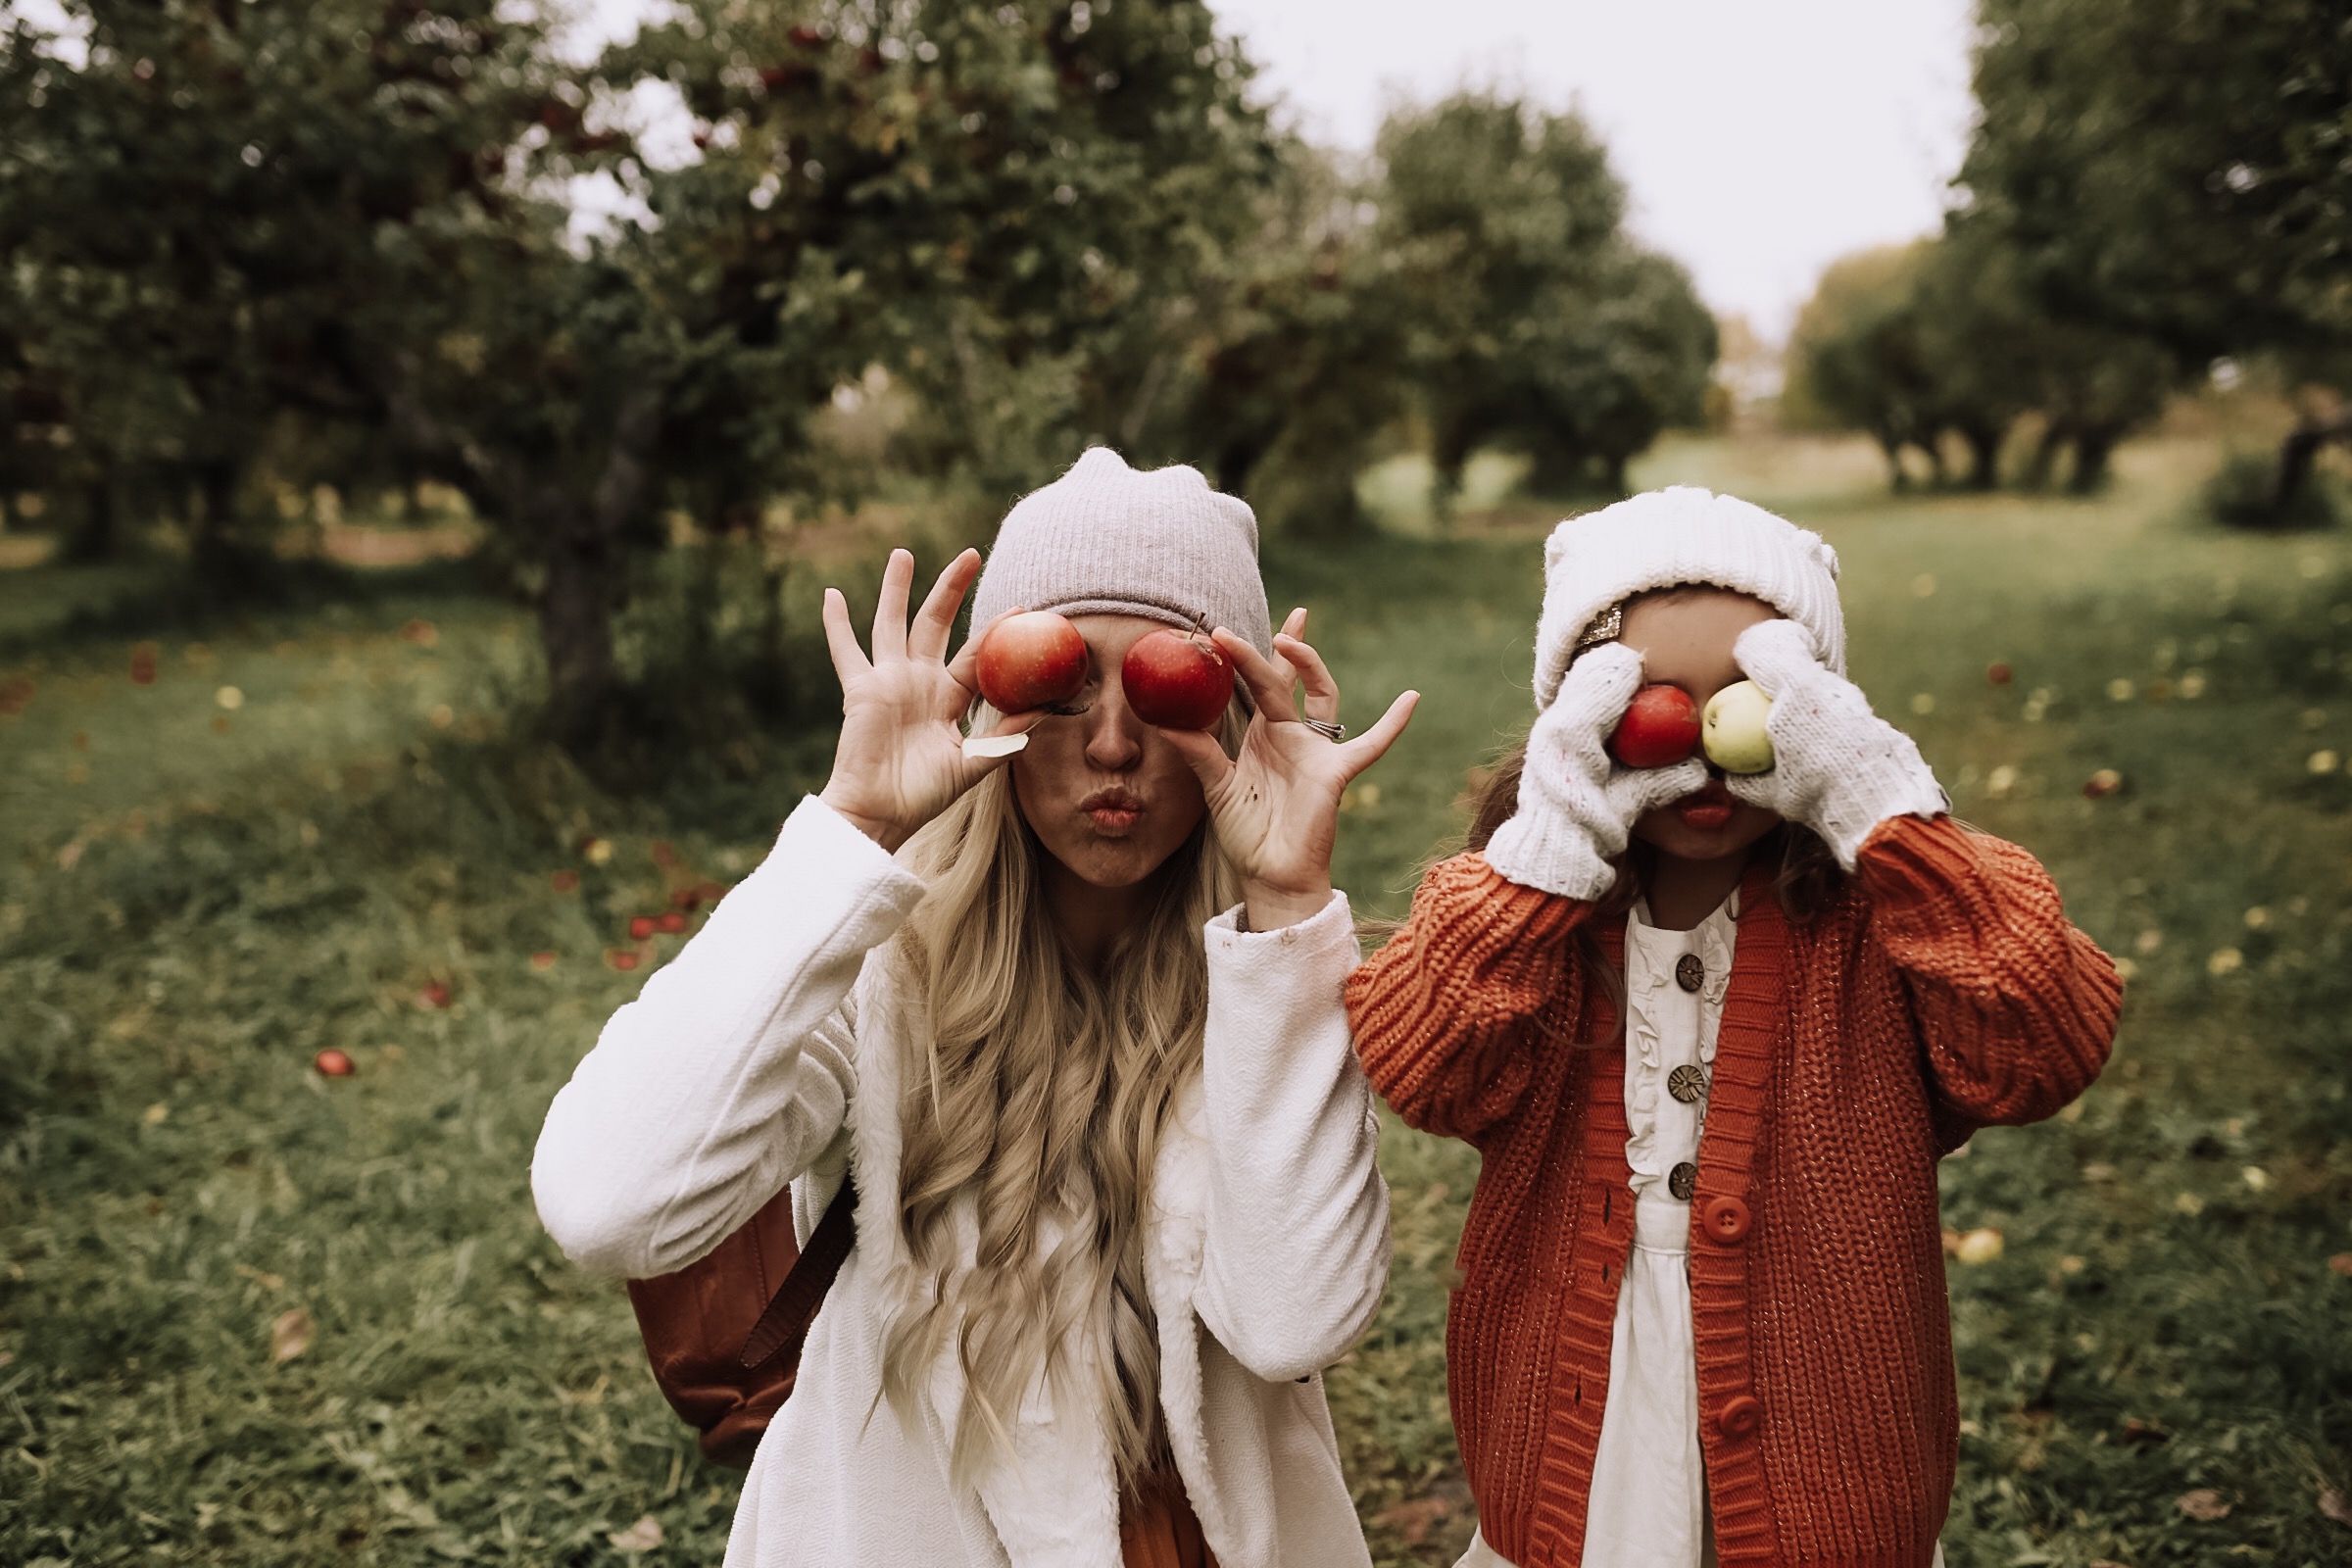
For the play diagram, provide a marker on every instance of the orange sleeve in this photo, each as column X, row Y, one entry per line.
column 1442, row 1014
column 2015, row 1007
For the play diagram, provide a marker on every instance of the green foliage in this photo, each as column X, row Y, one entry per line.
column 1912, row 343
column 1532, row 322
column 215, row 214
column 2174, row 167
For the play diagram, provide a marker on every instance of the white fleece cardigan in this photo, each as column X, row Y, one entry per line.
column 768, row 1051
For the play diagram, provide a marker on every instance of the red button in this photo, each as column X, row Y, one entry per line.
column 1725, row 1220
column 1739, row 1416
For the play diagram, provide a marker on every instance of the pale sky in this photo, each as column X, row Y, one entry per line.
column 1760, row 139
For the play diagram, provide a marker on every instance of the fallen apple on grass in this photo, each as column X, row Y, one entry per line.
column 641, row 928
column 333, row 1063
column 1736, row 738
column 1033, row 659
column 1660, row 727
column 1177, row 679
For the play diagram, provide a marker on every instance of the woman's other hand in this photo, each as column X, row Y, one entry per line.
column 1275, row 806
column 901, row 760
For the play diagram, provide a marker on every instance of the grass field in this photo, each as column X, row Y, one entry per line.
column 251, row 1316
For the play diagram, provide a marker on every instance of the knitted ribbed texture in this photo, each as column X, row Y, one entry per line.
column 1945, row 991
column 1680, row 535
column 1106, row 540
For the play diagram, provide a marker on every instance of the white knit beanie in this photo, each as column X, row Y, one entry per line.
column 1104, row 539
column 1670, row 537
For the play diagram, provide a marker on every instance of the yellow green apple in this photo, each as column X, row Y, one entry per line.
column 1733, row 730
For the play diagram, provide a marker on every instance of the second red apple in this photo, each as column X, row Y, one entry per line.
column 1177, row 679
column 1660, row 727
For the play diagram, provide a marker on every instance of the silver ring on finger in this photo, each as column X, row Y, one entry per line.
column 1328, row 729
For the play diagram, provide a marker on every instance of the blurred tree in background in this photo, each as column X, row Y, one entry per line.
column 1532, row 321
column 1941, row 338
column 214, row 221
column 2178, row 171
column 382, row 241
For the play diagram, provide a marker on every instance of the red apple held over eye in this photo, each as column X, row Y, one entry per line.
column 1032, row 660
column 1177, row 680
column 1660, row 728
column 333, row 1063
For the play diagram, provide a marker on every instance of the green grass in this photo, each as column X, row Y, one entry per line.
column 187, row 914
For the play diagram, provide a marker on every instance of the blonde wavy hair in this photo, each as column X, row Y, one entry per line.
column 1040, row 1088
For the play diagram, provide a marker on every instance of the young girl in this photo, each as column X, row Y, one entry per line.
column 1710, row 1035
column 1074, row 1026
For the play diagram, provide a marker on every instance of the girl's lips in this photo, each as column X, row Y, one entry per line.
column 1709, row 807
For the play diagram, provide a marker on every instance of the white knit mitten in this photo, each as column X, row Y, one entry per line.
column 1837, row 768
column 1577, row 805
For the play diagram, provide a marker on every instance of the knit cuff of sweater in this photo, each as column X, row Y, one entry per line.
column 1551, row 853
column 1229, row 932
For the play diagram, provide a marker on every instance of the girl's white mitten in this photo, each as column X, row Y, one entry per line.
column 1577, row 805
column 1837, row 768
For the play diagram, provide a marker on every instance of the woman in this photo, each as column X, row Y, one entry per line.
column 1116, row 1200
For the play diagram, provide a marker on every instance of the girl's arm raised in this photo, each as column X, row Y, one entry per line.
column 1443, row 1012
column 2015, row 1007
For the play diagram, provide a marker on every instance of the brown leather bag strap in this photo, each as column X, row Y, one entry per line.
column 794, row 1306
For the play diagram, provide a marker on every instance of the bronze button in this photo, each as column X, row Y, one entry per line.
column 1687, row 1082
column 1682, row 1180
column 1689, row 972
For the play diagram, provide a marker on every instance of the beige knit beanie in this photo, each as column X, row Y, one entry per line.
column 1666, row 538
column 1104, row 539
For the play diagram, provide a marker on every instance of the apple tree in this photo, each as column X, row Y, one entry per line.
column 2178, row 171
column 1532, row 321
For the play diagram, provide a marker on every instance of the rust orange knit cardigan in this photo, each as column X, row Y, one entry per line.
column 1944, row 990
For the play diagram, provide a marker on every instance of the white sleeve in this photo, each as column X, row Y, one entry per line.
column 731, row 1071
column 1295, row 1244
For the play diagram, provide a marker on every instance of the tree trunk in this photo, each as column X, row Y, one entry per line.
column 583, row 574
column 2094, row 445
column 2300, row 451
column 213, row 546
column 1984, row 457
column 94, row 537
column 1896, row 479
column 2054, row 436
column 575, row 627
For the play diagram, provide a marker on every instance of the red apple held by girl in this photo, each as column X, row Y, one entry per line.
column 1032, row 660
column 1660, row 727
column 1177, row 680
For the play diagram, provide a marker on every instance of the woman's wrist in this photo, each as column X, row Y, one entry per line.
column 1267, row 909
column 881, row 830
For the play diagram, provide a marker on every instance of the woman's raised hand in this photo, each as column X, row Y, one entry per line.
column 1275, row 806
column 901, row 760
